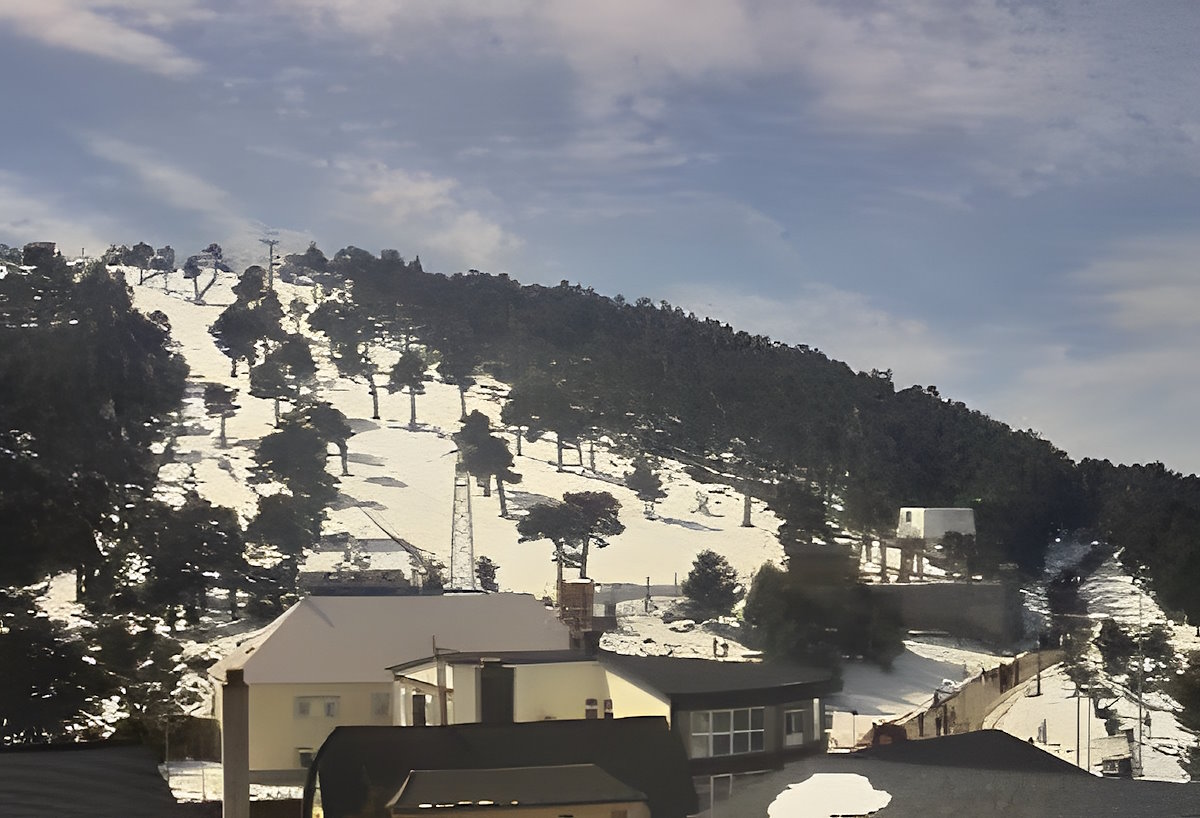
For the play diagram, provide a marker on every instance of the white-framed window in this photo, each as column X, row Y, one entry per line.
column 727, row 732
column 381, row 705
column 317, row 707
column 591, row 709
column 304, row 755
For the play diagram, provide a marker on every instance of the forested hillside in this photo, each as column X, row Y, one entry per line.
column 768, row 413
column 90, row 391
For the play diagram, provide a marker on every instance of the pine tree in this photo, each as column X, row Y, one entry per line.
column 712, row 584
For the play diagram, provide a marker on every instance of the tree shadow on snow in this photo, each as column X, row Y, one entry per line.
column 688, row 524
column 366, row 459
column 523, row 500
column 360, row 425
column 345, row 501
column 389, row 482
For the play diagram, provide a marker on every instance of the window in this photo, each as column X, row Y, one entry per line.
column 908, row 516
column 304, row 756
column 608, row 711
column 381, row 705
column 727, row 732
column 309, row 706
column 797, row 726
column 591, row 709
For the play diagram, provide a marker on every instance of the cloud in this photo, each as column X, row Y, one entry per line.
column 432, row 210
column 1029, row 96
column 1148, row 285
column 174, row 186
column 842, row 324
column 166, row 182
column 1128, row 392
column 26, row 215
column 109, row 29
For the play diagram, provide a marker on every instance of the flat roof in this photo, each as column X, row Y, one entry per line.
column 677, row 676
column 558, row 784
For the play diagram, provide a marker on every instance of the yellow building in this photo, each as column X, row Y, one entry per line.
column 324, row 663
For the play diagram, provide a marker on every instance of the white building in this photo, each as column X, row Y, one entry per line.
column 932, row 524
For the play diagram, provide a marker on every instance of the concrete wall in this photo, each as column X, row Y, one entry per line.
column 558, row 691
column 631, row 700
column 965, row 710
column 988, row 611
column 276, row 731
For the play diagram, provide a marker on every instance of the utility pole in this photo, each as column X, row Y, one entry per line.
column 270, row 242
column 1141, row 672
column 441, row 683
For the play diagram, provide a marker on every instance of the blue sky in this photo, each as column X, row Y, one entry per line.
column 999, row 198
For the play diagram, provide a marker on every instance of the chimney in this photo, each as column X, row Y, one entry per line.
column 235, row 745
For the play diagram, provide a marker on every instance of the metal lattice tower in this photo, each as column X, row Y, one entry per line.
column 462, row 537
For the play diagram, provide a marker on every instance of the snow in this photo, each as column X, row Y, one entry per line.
column 829, row 795
column 1109, row 593
column 405, row 478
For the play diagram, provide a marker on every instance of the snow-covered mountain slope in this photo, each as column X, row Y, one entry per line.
column 404, row 479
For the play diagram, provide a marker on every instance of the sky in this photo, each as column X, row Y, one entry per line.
column 1001, row 199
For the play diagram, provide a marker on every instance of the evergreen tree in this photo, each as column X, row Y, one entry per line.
column 712, row 584
column 646, row 483
column 486, row 456
column 219, row 403
column 485, row 572
column 409, row 372
column 597, row 520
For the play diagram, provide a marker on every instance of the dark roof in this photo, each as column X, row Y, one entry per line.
column 773, row 682
column 102, row 780
column 929, row 789
column 361, row 768
column 979, row 750
column 508, row 657
column 527, row 786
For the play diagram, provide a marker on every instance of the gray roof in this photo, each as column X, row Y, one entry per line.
column 322, row 640
column 985, row 776
column 526, row 786
column 360, row 768
column 102, row 780
column 675, row 676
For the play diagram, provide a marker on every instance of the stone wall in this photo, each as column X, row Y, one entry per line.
column 964, row 710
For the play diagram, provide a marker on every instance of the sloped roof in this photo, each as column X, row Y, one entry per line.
column 334, row 639
column 361, row 768
column 933, row 781
column 101, row 780
column 526, row 786
column 979, row 750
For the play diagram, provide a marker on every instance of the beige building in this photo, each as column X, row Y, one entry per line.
column 324, row 663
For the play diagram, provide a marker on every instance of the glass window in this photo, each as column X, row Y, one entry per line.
column 303, row 707
column 331, row 708
column 381, row 705
column 727, row 732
